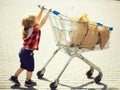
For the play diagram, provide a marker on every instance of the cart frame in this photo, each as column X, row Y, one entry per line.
column 72, row 52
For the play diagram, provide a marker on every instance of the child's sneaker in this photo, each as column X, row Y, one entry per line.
column 14, row 80
column 30, row 83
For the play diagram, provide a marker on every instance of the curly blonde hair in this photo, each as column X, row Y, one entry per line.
column 27, row 23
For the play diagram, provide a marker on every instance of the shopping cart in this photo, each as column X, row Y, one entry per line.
column 63, row 29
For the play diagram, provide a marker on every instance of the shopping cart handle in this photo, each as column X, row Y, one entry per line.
column 110, row 28
column 39, row 6
column 100, row 24
column 53, row 11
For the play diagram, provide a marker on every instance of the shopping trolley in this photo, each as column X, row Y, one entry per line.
column 63, row 29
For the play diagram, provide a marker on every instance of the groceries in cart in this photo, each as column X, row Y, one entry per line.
column 89, row 34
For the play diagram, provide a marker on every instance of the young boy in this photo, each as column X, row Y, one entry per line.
column 31, row 37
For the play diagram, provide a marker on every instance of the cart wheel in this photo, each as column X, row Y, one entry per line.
column 98, row 79
column 39, row 74
column 53, row 86
column 90, row 73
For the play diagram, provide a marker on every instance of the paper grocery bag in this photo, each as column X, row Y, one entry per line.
column 91, row 38
column 104, row 35
column 81, row 30
column 79, row 34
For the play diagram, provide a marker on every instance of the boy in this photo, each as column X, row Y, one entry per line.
column 31, row 37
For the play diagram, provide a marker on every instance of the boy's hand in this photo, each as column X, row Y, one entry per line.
column 42, row 8
column 50, row 10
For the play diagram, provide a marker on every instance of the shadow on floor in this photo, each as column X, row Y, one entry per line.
column 82, row 87
column 22, row 88
column 104, row 86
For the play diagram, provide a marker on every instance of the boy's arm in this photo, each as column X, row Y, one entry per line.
column 44, row 19
column 38, row 17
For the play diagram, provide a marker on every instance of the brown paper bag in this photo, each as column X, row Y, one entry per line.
column 104, row 35
column 79, row 34
column 81, row 30
column 91, row 38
